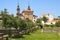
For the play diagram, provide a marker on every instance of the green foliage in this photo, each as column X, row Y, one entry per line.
column 5, row 11
column 15, row 23
column 58, row 24
column 51, row 25
column 46, row 25
column 4, row 18
column 9, row 21
column 38, row 22
column 44, row 19
column 23, row 25
column 38, row 35
column 29, row 23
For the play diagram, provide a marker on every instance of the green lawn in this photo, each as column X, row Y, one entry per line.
column 38, row 35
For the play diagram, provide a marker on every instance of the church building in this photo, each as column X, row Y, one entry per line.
column 26, row 13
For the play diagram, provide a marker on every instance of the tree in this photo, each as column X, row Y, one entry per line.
column 4, row 17
column 1, row 18
column 15, row 23
column 7, row 21
column 5, row 11
column 38, row 22
column 57, row 24
column 23, row 25
column 30, row 25
column 44, row 19
column 9, row 24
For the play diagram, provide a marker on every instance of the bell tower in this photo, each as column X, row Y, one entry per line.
column 18, row 9
column 29, row 7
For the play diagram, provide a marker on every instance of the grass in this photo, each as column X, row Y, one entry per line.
column 38, row 35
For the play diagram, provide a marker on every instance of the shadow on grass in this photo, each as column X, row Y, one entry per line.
column 27, row 34
column 18, row 36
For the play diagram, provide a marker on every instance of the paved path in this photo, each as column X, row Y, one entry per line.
column 57, row 29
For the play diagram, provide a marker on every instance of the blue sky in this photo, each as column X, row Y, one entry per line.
column 38, row 6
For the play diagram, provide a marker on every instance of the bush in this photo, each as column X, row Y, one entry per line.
column 58, row 24
column 52, row 25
